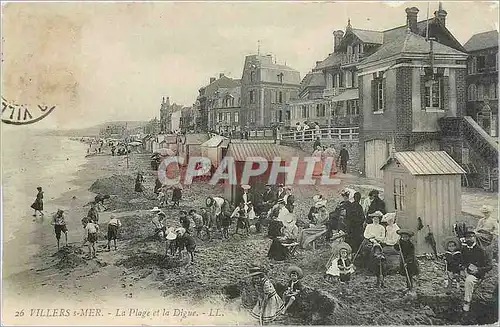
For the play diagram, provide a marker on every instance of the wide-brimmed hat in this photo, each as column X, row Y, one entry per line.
column 376, row 214
column 344, row 246
column 486, row 209
column 405, row 231
column 373, row 192
column 245, row 186
column 317, row 197
column 171, row 235
column 295, row 269
column 450, row 239
column 155, row 209
column 390, row 216
column 320, row 204
column 288, row 218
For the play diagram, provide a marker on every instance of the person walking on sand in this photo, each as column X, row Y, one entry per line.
column 93, row 213
column 38, row 204
column 59, row 222
column 92, row 228
column 344, row 158
column 113, row 225
column 138, row 182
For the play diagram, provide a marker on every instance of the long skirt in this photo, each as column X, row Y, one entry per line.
column 139, row 187
column 318, row 168
column 277, row 251
column 309, row 235
column 330, row 166
column 37, row 205
column 273, row 308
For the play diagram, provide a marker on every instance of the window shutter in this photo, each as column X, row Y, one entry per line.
column 374, row 95
column 384, row 88
column 422, row 91
column 445, row 92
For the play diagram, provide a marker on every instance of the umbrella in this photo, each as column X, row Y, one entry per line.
column 431, row 240
column 165, row 152
column 135, row 143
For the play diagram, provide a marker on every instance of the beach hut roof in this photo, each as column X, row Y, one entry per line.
column 268, row 151
column 196, row 138
column 215, row 141
column 426, row 163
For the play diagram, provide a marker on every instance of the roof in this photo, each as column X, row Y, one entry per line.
column 313, row 79
column 349, row 94
column 409, row 43
column 333, row 59
column 368, row 36
column 268, row 151
column 196, row 138
column 482, row 41
column 427, row 163
column 214, row 141
column 223, row 82
column 170, row 139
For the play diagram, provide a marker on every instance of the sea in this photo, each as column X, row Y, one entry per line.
column 29, row 160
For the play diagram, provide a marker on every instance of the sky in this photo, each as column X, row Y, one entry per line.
column 101, row 62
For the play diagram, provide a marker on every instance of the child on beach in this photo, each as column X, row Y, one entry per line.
column 453, row 259
column 176, row 195
column 341, row 267
column 408, row 261
column 225, row 221
column 38, row 204
column 198, row 222
column 92, row 228
column 185, row 241
column 113, row 225
column 59, row 222
column 294, row 286
column 162, row 197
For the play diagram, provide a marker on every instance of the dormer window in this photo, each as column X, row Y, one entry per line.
column 280, row 78
column 252, row 77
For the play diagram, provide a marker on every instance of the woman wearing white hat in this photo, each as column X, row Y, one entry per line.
column 487, row 231
column 375, row 232
column 391, row 230
column 318, row 217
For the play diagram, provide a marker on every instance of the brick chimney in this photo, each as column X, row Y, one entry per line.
column 221, row 75
column 212, row 79
column 411, row 19
column 440, row 14
column 337, row 37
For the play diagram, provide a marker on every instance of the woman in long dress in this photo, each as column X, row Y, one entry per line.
column 270, row 305
column 318, row 166
column 318, row 216
column 138, row 182
column 38, row 204
column 329, row 158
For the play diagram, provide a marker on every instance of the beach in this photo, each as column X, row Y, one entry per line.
column 138, row 284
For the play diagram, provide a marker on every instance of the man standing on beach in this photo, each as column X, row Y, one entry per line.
column 113, row 225
column 59, row 222
column 93, row 213
column 92, row 228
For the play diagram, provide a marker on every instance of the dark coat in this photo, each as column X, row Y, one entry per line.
column 453, row 261
column 408, row 250
column 240, row 198
column 337, row 218
column 354, row 224
column 176, row 194
column 478, row 257
column 186, row 241
column 275, row 227
column 344, row 155
column 269, row 197
column 377, row 205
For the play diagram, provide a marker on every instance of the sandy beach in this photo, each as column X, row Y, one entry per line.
column 138, row 284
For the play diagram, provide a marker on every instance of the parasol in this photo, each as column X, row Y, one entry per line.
column 165, row 152
column 431, row 240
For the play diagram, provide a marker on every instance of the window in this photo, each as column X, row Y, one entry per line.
column 280, row 116
column 252, row 116
column 236, row 117
column 305, row 111
column 492, row 61
column 341, row 79
column 252, row 96
column 352, row 107
column 473, row 65
column 280, row 78
column 348, row 79
column 220, row 117
column 481, row 63
column 433, row 97
column 480, row 92
column 494, row 128
column 329, row 81
column 288, row 115
column 336, row 81
column 472, row 92
column 320, row 110
column 399, row 194
column 493, row 91
column 252, row 77
column 354, row 79
column 280, row 97
column 273, row 96
column 378, row 92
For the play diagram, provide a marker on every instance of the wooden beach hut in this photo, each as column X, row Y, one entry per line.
column 241, row 152
column 190, row 145
column 425, row 185
column 215, row 149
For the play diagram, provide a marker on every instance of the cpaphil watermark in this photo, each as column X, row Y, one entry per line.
column 303, row 171
column 22, row 114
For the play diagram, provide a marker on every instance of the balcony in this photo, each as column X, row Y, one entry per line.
column 333, row 92
column 347, row 59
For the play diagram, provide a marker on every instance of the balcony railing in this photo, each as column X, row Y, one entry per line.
column 333, row 92
column 328, row 133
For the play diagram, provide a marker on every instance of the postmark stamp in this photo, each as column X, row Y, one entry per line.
column 23, row 114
